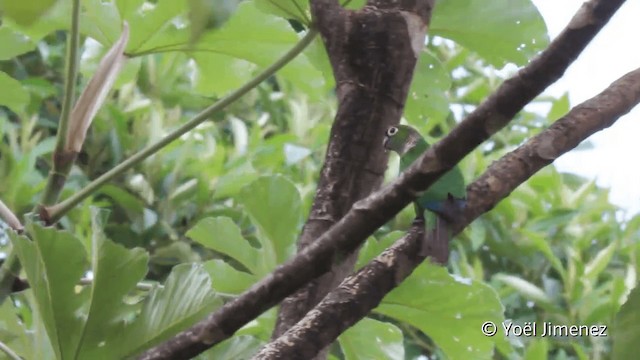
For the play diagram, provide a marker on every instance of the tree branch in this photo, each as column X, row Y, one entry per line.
column 367, row 215
column 373, row 52
column 327, row 13
column 363, row 291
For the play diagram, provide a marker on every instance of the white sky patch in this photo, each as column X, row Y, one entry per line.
column 610, row 55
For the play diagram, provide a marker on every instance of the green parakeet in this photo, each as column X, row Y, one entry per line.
column 441, row 203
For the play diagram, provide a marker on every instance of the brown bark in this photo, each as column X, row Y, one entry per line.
column 362, row 292
column 367, row 215
column 373, row 53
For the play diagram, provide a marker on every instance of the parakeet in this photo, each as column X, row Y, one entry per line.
column 441, row 203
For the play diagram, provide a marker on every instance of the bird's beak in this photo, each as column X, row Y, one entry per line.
column 385, row 142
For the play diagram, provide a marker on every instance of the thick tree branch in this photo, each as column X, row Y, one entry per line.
column 327, row 13
column 582, row 121
column 373, row 52
column 367, row 215
column 363, row 291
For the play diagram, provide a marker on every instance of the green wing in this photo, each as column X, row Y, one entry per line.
column 450, row 183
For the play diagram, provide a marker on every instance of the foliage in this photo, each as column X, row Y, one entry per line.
column 221, row 207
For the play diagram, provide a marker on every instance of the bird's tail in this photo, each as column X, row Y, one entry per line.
column 438, row 219
column 436, row 239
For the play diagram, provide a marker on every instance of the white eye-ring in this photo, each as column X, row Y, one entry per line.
column 392, row 131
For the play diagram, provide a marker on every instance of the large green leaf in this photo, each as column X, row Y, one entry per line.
column 626, row 328
column 115, row 270
column 238, row 347
column 209, row 14
column 450, row 311
column 288, row 9
column 56, row 17
column 222, row 235
column 427, row 99
column 54, row 262
column 12, row 94
column 13, row 43
column 127, row 8
column 373, row 247
column 101, row 21
column 156, row 28
column 274, row 205
column 25, row 12
column 185, row 299
column 525, row 288
column 26, row 335
column 501, row 31
column 13, row 333
column 227, row 279
column 258, row 38
column 212, row 79
column 372, row 339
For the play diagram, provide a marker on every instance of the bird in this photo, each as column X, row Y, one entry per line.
column 441, row 203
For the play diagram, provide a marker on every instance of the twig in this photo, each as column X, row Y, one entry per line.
column 55, row 212
column 10, row 353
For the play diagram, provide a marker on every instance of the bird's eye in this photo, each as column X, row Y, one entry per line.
column 392, row 131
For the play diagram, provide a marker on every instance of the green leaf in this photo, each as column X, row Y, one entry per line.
column 128, row 7
column 237, row 72
column 35, row 343
column 209, row 14
column 222, row 235
column 427, row 100
column 501, row 31
column 101, row 21
column 450, row 311
column 525, row 288
column 260, row 39
column 57, row 17
column 600, row 261
column 288, row 9
column 227, row 279
column 13, row 43
column 273, row 202
column 373, row 247
column 537, row 350
column 560, row 107
column 25, row 12
column 318, row 57
column 238, row 347
column 626, row 328
column 13, row 332
column 541, row 244
column 185, row 299
column 116, row 271
column 12, row 94
column 155, row 28
column 54, row 262
column 372, row 339
column 234, row 180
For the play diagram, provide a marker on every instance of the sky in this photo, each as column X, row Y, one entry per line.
column 613, row 53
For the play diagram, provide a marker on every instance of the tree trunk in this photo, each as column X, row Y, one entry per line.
column 373, row 52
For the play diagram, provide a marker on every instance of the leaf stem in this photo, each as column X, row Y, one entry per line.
column 10, row 353
column 57, row 211
column 62, row 164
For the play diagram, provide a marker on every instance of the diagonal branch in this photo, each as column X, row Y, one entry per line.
column 363, row 291
column 369, row 214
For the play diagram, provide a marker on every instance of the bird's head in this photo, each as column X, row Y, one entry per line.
column 400, row 138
